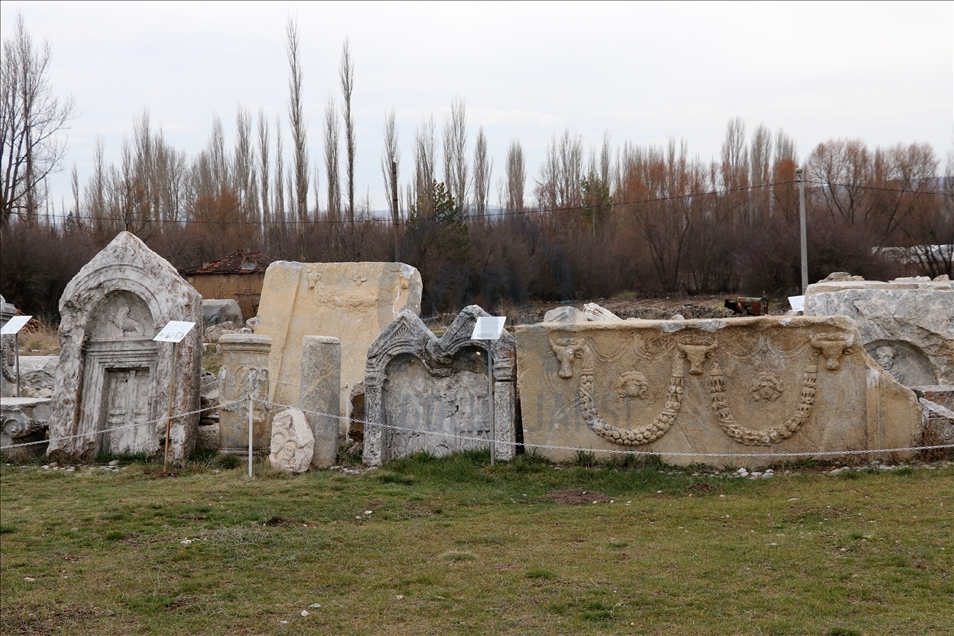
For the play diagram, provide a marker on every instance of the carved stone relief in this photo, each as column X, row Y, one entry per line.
column 424, row 393
column 244, row 372
column 731, row 385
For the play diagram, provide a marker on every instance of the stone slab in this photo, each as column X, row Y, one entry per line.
column 320, row 399
column 353, row 302
column 736, row 388
column 111, row 375
column 908, row 324
column 292, row 442
column 424, row 393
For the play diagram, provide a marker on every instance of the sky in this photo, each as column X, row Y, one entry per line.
column 645, row 72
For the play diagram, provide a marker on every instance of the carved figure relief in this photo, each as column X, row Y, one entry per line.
column 125, row 326
column 832, row 348
column 766, row 387
column 566, row 350
column 632, row 385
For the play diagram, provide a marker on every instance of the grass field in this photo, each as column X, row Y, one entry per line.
column 452, row 546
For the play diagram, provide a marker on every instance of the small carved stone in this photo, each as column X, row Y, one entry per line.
column 292, row 443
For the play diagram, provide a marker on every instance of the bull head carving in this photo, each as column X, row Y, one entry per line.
column 566, row 349
column 832, row 348
column 696, row 354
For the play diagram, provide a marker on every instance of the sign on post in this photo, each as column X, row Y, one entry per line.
column 489, row 328
column 797, row 302
column 175, row 331
column 14, row 325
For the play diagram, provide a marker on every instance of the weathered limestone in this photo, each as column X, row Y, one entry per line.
column 907, row 326
column 596, row 313
column 425, row 393
column 320, row 398
column 292, row 442
column 111, row 373
column 353, row 302
column 566, row 313
column 216, row 311
column 735, row 388
column 24, row 420
column 8, row 356
column 244, row 372
column 36, row 375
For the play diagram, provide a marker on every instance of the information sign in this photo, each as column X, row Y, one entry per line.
column 175, row 331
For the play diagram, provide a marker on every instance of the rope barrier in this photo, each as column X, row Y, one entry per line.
column 125, row 426
column 483, row 440
column 612, row 451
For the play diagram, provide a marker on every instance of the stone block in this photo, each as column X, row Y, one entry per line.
column 244, row 372
column 36, row 375
column 114, row 384
column 424, row 393
column 292, row 443
column 320, row 397
column 216, row 311
column 353, row 302
column 566, row 313
column 721, row 392
column 596, row 313
column 23, row 420
column 907, row 325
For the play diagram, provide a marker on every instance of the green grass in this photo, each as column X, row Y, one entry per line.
column 452, row 546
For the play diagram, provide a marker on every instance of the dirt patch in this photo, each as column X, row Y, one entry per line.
column 576, row 496
column 701, row 488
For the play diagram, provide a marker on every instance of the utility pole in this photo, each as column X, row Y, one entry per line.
column 803, row 228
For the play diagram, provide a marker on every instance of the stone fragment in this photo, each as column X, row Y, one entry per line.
column 113, row 383
column 906, row 325
column 292, row 443
column 353, row 302
column 837, row 277
column 36, row 375
column 24, row 420
column 424, row 393
column 320, row 379
column 207, row 437
column 216, row 311
column 595, row 313
column 244, row 372
column 566, row 313
column 731, row 390
column 213, row 333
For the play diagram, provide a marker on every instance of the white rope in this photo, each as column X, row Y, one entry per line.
column 614, row 451
column 125, row 426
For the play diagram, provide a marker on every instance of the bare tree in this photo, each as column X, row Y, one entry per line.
column 299, row 128
column 483, row 166
column 391, row 156
column 279, row 208
column 346, row 73
column 455, row 149
column 31, row 118
column 425, row 158
column 516, row 176
column 331, row 160
column 243, row 170
column 264, row 171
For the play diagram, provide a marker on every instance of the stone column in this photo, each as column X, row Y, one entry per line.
column 244, row 371
column 320, row 395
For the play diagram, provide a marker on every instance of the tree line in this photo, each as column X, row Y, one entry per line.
column 593, row 222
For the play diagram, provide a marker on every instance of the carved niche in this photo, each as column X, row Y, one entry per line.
column 425, row 393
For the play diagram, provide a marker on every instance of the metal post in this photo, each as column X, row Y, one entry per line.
column 490, row 394
column 250, row 413
column 16, row 353
column 172, row 391
column 803, row 228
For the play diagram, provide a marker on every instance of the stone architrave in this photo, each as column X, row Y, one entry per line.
column 424, row 393
column 907, row 325
column 292, row 443
column 111, row 374
column 244, row 372
column 320, row 398
column 737, row 389
column 353, row 302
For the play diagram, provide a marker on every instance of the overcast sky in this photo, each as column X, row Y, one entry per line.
column 880, row 72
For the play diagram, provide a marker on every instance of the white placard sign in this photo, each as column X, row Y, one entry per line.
column 175, row 331
column 797, row 302
column 488, row 328
column 14, row 325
